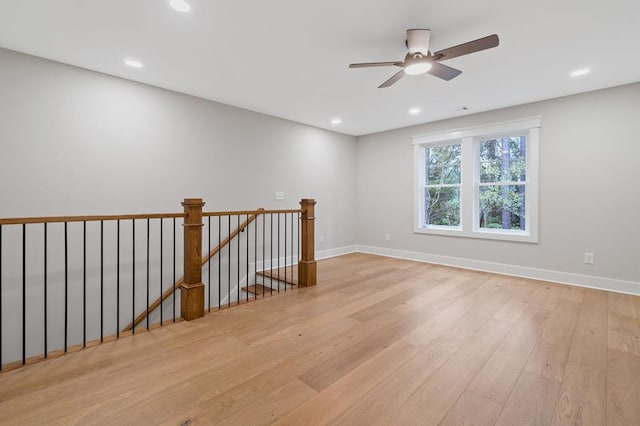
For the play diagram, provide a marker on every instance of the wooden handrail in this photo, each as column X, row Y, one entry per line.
column 59, row 219
column 253, row 215
column 254, row 212
column 54, row 219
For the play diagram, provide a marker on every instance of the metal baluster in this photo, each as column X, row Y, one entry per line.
column 278, row 270
column 84, row 284
column 219, row 260
column 247, row 237
column 239, row 260
column 101, row 281
column 229, row 267
column 46, row 352
column 174, row 269
column 285, row 252
column 263, row 248
column 255, row 256
column 148, row 229
column 292, row 276
column 271, row 255
column 209, row 264
column 161, row 271
column 133, row 277
column 118, row 281
column 24, row 293
column 66, row 286
column 0, row 297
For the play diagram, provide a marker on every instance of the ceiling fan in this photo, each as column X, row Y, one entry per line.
column 420, row 60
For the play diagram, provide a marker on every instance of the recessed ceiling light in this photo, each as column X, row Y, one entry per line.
column 180, row 5
column 580, row 72
column 133, row 63
column 336, row 121
column 415, row 111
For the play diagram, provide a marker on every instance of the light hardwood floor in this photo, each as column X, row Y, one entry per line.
column 378, row 341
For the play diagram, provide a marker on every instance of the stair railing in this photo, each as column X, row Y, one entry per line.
column 205, row 259
column 69, row 282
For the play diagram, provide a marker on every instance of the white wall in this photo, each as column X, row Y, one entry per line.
column 589, row 196
column 76, row 142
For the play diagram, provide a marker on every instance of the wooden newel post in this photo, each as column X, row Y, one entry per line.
column 307, row 270
column 192, row 291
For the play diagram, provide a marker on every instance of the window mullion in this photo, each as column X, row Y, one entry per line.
column 521, row 182
column 443, row 185
column 467, row 185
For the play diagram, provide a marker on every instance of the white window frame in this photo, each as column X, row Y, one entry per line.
column 422, row 186
column 469, row 139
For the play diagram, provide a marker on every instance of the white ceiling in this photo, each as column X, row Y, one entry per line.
column 289, row 58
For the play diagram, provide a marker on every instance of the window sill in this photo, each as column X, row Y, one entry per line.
column 516, row 236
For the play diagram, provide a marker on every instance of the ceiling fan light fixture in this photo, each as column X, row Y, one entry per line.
column 417, row 68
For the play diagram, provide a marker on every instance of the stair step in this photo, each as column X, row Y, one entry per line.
column 291, row 277
column 258, row 289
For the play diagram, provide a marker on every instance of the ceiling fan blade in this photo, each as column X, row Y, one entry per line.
column 467, row 48
column 397, row 76
column 443, row 71
column 375, row 64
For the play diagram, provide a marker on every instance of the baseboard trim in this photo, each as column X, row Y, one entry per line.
column 338, row 251
column 588, row 281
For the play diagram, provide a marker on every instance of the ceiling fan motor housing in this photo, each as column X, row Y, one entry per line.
column 418, row 41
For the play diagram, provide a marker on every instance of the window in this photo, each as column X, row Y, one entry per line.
column 479, row 182
column 502, row 183
column 442, row 185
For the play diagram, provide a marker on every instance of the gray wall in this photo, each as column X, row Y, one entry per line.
column 77, row 142
column 589, row 196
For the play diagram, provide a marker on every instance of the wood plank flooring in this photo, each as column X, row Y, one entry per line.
column 379, row 341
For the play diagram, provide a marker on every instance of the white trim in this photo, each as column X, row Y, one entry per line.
column 443, row 185
column 488, row 234
column 418, row 196
column 486, row 130
column 281, row 262
column 291, row 260
column 469, row 140
column 532, row 197
column 338, row 251
column 588, row 281
column 273, row 263
column 234, row 292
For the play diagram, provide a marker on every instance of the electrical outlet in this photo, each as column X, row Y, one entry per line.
column 279, row 196
column 589, row 258
column 387, row 237
column 321, row 239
